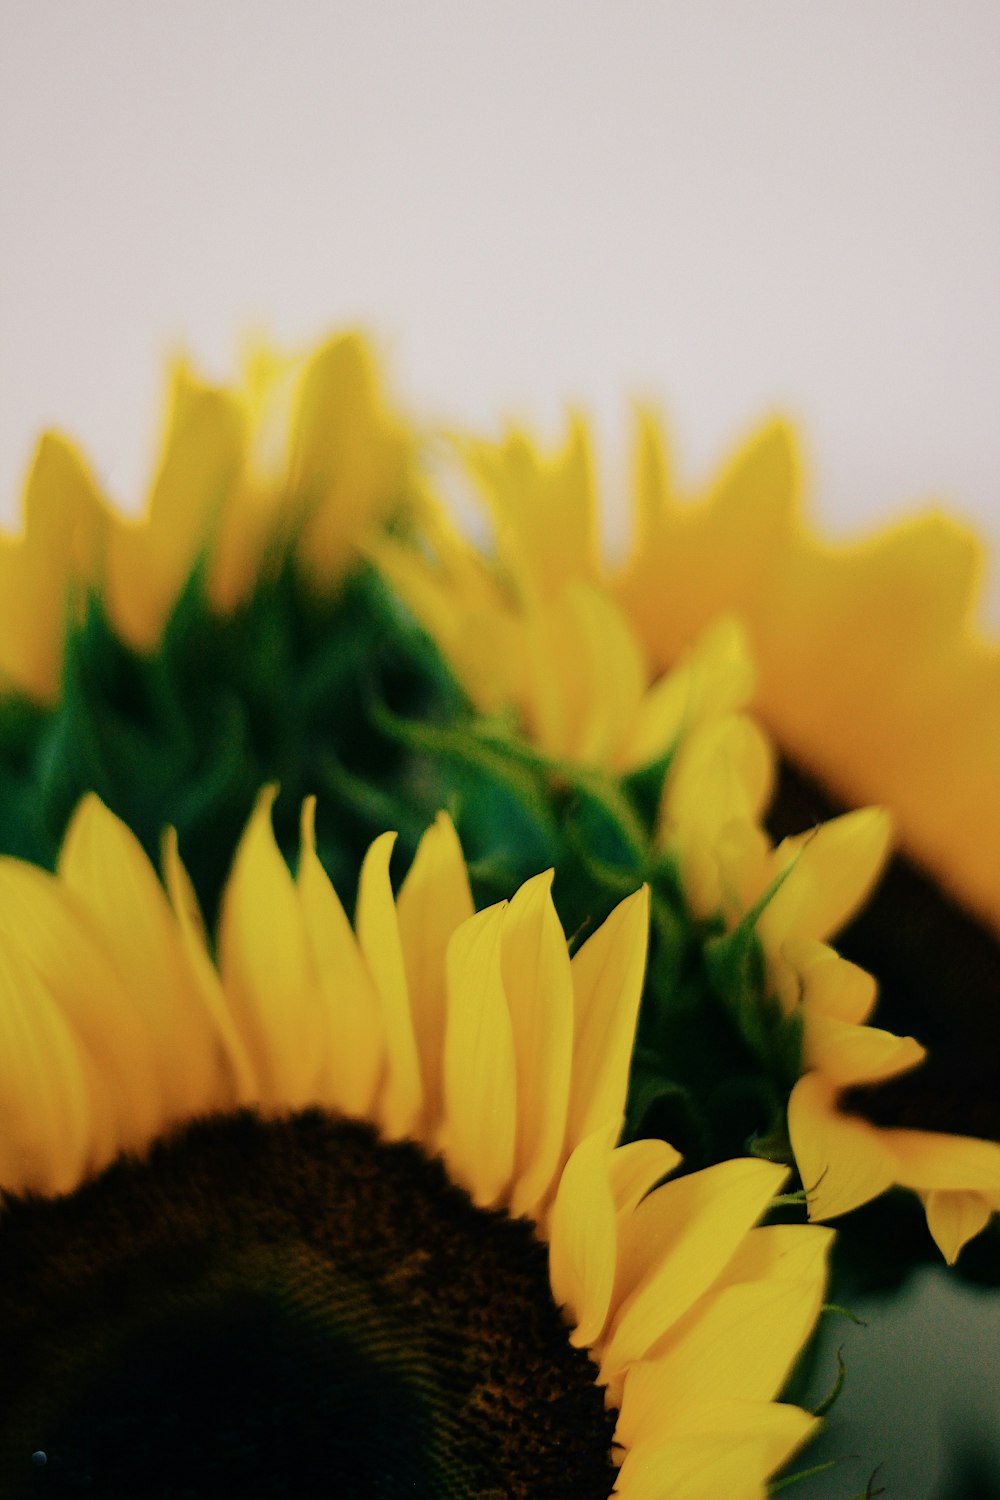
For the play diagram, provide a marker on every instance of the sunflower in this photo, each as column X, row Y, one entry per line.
column 232, row 634
column 345, row 1208
column 305, row 455
column 888, row 625
column 577, row 666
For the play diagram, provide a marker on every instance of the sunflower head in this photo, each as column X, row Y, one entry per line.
column 402, row 1240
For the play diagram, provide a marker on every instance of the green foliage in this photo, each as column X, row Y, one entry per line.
column 348, row 699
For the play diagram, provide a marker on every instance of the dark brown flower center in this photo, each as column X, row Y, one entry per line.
column 290, row 1308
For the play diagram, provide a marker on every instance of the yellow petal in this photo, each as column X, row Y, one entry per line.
column 377, row 928
column 65, row 522
column 928, row 1161
column 103, row 864
column 539, row 988
column 729, row 1449
column 637, row 1168
column 433, row 901
column 831, row 985
column 347, row 456
column 150, row 559
column 42, row 921
column 843, row 1161
column 713, row 677
column 480, row 1084
column 46, row 1117
column 954, row 1219
column 795, row 1252
column 356, row 1047
column 674, row 1246
column 608, row 974
column 830, row 873
column 739, row 1342
column 264, row 962
column 243, row 1083
column 614, row 670
column 583, row 1241
column 847, row 1054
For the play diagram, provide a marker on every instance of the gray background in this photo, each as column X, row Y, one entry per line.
column 734, row 207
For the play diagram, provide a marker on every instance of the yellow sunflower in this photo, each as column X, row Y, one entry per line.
column 886, row 628
column 540, row 630
column 304, row 454
column 399, row 1252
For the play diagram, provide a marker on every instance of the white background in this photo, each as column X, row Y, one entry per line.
column 733, row 207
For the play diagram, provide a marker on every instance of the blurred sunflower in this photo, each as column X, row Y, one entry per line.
column 655, row 666
column 230, row 634
column 399, row 1251
column 305, row 456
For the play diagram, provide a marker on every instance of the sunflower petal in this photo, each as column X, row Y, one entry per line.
column 433, row 901
column 377, row 927
column 608, row 974
column 243, row 1083
column 843, row 1161
column 637, row 1168
column 42, row 922
column 480, row 1078
column 726, row 1448
column 830, row 873
column 673, row 1247
column 47, row 1132
column 264, row 961
column 583, row 1240
column 539, row 988
column 103, row 864
column 954, row 1219
column 847, row 1054
column 356, row 1046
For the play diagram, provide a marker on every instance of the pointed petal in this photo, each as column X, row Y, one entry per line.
column 725, row 1448
column 42, row 921
column 583, row 1242
column 480, row 1085
column 264, row 962
column 539, row 988
column 954, row 1219
column 847, row 1054
column 833, row 869
column 739, row 1342
column 929, row 1160
column 377, row 928
column 831, row 985
column 355, row 1043
column 843, row 1161
column 615, row 674
column 637, row 1168
column 65, row 521
column 608, row 974
column 673, row 1247
column 47, row 1129
column 243, row 1084
column 150, row 560
column 433, row 901
column 103, row 864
